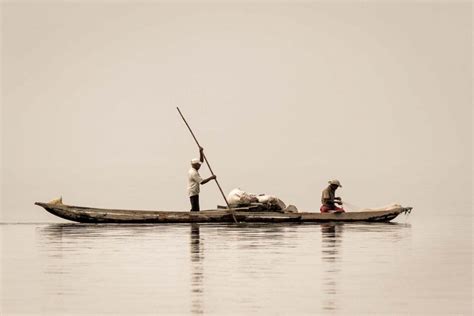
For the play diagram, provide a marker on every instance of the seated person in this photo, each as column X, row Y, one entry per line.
column 329, row 199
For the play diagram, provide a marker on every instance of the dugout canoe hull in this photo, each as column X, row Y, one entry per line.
column 99, row 215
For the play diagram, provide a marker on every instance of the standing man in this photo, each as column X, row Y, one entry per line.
column 329, row 199
column 194, row 180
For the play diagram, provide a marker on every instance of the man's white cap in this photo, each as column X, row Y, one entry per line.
column 336, row 182
column 195, row 161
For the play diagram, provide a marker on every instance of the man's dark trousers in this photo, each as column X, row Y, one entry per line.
column 194, row 203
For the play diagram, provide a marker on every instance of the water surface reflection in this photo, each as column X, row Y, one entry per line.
column 197, row 270
column 246, row 269
column 330, row 248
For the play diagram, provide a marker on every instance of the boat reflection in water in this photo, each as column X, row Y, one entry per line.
column 248, row 268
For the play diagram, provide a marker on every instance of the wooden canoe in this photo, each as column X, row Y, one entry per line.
column 98, row 215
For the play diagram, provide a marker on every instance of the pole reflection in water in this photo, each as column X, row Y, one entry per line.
column 197, row 257
column 331, row 240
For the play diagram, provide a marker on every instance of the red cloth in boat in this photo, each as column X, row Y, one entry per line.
column 327, row 209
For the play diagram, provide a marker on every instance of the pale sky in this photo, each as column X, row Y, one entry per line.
column 283, row 97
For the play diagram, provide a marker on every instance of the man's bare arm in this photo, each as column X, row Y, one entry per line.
column 208, row 179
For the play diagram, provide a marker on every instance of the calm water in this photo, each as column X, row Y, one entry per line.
column 410, row 267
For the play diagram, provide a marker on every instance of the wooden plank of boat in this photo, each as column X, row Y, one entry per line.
column 98, row 215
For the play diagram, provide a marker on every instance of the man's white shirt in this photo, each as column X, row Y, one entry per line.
column 194, row 180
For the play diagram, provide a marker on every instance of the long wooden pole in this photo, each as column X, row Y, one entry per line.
column 208, row 165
